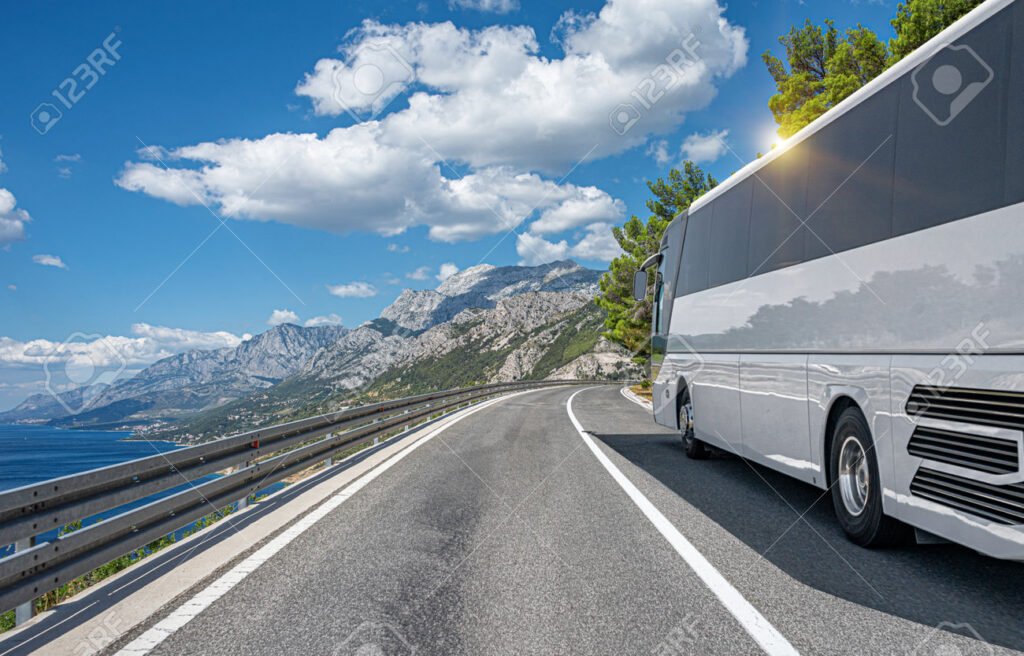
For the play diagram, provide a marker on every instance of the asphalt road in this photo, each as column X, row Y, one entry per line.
column 504, row 534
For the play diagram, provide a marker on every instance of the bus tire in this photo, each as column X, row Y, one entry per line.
column 695, row 449
column 856, row 488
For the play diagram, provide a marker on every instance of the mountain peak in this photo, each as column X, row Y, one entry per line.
column 481, row 286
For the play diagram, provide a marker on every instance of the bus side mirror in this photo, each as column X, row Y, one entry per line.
column 639, row 285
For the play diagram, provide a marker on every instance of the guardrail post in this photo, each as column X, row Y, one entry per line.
column 27, row 610
column 329, row 461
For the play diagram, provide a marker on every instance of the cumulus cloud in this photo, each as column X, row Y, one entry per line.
column 353, row 290
column 72, row 157
column 396, row 248
column 12, row 219
column 590, row 206
column 597, row 244
column 486, row 98
column 494, row 6
column 421, row 273
column 325, row 320
column 704, row 148
column 303, row 180
column 446, row 271
column 278, row 317
column 147, row 345
column 49, row 260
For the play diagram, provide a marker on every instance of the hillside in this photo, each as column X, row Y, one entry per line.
column 510, row 326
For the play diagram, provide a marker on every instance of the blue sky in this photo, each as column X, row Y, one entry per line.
column 220, row 93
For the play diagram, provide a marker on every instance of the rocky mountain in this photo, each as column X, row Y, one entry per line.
column 529, row 335
column 483, row 286
column 189, row 382
column 484, row 324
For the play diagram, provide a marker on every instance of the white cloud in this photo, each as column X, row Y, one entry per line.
column 13, row 288
column 49, row 260
column 421, row 273
column 534, row 250
column 325, row 320
column 495, row 6
column 590, row 206
column 597, row 244
column 12, row 219
column 389, row 188
column 278, row 317
column 149, row 344
column 3, row 167
column 659, row 151
column 486, row 98
column 353, row 290
column 73, row 157
column 446, row 271
column 704, row 148
column 396, row 248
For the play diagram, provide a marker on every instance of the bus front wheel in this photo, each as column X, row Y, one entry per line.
column 695, row 449
column 856, row 488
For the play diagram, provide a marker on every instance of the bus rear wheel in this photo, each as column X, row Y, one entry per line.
column 856, row 487
column 695, row 449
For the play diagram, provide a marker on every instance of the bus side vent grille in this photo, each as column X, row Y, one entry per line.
column 973, row 406
column 1003, row 504
column 978, row 452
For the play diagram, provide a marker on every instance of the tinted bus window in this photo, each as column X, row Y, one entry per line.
column 1015, row 120
column 849, row 186
column 730, row 235
column 693, row 270
column 776, row 233
column 951, row 144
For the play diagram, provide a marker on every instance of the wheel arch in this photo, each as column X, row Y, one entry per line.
column 840, row 403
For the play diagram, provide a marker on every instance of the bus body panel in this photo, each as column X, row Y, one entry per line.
column 865, row 380
column 773, row 406
column 985, row 372
column 716, row 389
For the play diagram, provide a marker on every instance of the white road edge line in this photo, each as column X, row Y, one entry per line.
column 629, row 395
column 164, row 629
column 759, row 628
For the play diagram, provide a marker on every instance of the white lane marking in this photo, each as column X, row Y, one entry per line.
column 201, row 601
column 631, row 396
column 759, row 628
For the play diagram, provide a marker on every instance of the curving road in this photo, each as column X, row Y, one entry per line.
column 505, row 533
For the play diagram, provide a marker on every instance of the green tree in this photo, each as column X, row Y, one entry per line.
column 919, row 20
column 822, row 68
column 629, row 321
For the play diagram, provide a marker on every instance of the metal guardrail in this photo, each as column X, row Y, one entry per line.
column 33, row 510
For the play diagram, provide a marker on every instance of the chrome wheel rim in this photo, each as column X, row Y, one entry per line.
column 686, row 418
column 854, row 477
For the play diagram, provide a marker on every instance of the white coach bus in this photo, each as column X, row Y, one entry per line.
column 849, row 309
